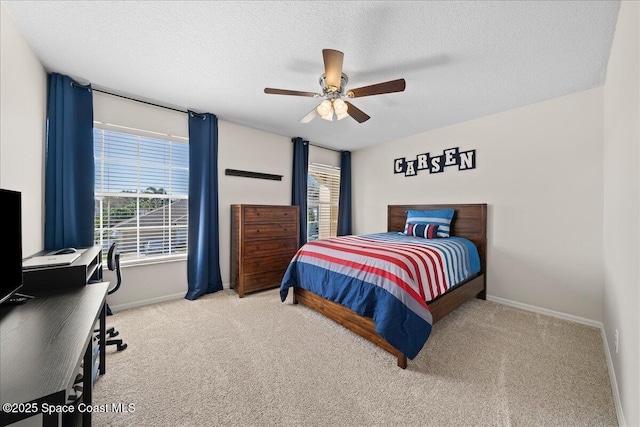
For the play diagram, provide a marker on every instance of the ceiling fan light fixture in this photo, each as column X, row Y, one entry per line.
column 339, row 106
column 333, row 83
column 325, row 108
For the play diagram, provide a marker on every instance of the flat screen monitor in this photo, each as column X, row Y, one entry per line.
column 11, row 205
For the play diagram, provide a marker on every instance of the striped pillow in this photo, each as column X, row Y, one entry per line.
column 427, row 231
column 441, row 218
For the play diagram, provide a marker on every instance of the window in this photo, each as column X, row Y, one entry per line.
column 323, row 188
column 141, row 194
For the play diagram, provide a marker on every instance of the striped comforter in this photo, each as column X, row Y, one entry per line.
column 388, row 277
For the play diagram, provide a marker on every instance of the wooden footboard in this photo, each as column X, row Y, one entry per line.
column 365, row 326
column 470, row 221
column 457, row 296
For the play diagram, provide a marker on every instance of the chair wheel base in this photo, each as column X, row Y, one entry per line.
column 122, row 346
column 114, row 334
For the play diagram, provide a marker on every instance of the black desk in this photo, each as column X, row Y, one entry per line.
column 42, row 344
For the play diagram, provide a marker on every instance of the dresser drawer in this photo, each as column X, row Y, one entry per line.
column 270, row 231
column 258, row 264
column 262, row 247
column 264, row 240
column 270, row 214
column 257, row 281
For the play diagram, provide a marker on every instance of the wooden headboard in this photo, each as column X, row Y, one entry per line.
column 469, row 221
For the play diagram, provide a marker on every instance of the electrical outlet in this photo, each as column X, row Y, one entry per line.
column 615, row 340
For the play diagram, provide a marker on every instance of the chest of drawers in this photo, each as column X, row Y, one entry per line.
column 264, row 239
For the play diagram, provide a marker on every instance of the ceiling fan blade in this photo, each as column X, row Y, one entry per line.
column 290, row 92
column 359, row 115
column 378, row 89
column 332, row 67
column 312, row 114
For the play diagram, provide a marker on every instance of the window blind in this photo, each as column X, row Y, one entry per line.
column 141, row 194
column 323, row 188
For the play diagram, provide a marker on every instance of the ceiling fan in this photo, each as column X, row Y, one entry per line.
column 333, row 83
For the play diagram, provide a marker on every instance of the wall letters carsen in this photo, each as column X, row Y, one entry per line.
column 435, row 164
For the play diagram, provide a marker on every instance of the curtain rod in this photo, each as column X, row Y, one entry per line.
column 138, row 100
column 326, row 148
column 320, row 146
column 181, row 111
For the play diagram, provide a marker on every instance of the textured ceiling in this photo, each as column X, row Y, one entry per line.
column 461, row 60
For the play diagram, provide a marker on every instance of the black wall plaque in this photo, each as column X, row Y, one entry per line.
column 247, row 174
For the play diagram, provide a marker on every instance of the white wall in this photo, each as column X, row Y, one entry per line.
column 539, row 169
column 324, row 156
column 622, row 208
column 22, row 163
column 252, row 150
column 117, row 110
column 239, row 147
column 154, row 282
column 23, row 95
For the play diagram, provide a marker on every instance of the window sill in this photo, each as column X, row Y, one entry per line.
column 150, row 261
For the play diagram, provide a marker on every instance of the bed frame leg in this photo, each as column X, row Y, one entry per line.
column 295, row 297
column 402, row 361
column 483, row 295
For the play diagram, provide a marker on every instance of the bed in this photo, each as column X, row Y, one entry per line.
column 469, row 223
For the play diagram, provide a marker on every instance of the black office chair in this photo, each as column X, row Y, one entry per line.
column 113, row 264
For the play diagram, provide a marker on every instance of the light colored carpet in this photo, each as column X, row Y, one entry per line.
column 255, row 361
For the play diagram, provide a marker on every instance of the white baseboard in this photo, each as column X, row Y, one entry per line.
column 134, row 304
column 584, row 321
column 546, row 311
column 614, row 382
column 140, row 303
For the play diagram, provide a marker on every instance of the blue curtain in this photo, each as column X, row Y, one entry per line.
column 69, row 165
column 203, row 259
column 299, row 183
column 344, row 202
